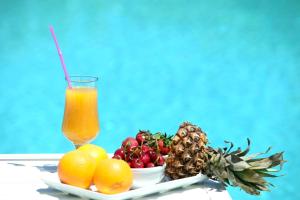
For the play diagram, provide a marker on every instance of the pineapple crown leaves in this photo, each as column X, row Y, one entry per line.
column 235, row 168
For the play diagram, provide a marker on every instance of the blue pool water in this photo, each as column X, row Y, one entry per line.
column 232, row 67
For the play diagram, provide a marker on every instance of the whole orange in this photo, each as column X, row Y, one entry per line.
column 113, row 176
column 96, row 152
column 76, row 168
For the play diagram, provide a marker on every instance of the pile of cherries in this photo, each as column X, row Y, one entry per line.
column 145, row 150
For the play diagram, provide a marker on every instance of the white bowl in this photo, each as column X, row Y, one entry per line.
column 147, row 176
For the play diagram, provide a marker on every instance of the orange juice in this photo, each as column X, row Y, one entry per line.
column 80, row 123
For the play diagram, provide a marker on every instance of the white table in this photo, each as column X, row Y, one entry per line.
column 20, row 179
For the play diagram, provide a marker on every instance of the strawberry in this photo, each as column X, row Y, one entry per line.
column 165, row 150
column 160, row 144
column 160, row 160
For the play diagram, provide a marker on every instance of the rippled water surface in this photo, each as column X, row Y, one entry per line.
column 232, row 67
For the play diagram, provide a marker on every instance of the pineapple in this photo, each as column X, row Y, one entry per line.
column 190, row 155
column 187, row 156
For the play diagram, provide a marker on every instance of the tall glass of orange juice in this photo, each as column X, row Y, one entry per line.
column 80, row 122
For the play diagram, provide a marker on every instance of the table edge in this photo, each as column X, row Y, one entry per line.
column 30, row 157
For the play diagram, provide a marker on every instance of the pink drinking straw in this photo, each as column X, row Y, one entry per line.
column 61, row 57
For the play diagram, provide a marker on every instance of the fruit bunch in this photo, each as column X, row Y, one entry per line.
column 145, row 150
column 190, row 154
column 90, row 165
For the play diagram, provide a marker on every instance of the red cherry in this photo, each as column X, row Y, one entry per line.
column 140, row 138
column 145, row 158
column 129, row 143
column 117, row 157
column 160, row 160
column 153, row 156
column 129, row 163
column 127, row 157
column 150, row 164
column 137, row 163
column 135, row 152
column 145, row 149
column 120, row 152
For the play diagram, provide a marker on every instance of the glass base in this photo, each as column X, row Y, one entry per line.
column 77, row 145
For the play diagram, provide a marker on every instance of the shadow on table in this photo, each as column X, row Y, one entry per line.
column 47, row 168
column 57, row 194
column 213, row 185
column 42, row 168
column 16, row 164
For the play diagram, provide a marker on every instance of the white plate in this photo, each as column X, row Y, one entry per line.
column 51, row 179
